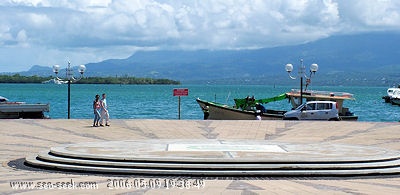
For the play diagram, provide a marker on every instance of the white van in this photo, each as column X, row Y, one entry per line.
column 314, row 110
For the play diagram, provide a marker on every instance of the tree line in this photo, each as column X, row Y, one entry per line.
column 17, row 78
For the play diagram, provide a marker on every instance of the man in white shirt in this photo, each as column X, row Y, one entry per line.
column 104, row 111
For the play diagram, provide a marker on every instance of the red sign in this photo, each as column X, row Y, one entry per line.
column 181, row 92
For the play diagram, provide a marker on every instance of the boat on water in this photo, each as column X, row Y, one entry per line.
column 54, row 81
column 246, row 109
column 338, row 97
column 393, row 95
column 16, row 110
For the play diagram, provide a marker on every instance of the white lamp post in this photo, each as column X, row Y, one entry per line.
column 70, row 78
column 301, row 74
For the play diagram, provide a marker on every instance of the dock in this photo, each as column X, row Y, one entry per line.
column 147, row 156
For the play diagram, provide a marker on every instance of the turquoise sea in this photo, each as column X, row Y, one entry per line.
column 158, row 102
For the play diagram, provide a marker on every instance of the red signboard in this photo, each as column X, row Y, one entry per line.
column 181, row 92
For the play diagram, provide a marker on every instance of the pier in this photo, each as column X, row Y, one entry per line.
column 228, row 156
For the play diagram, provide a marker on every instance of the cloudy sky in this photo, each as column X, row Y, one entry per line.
column 48, row 32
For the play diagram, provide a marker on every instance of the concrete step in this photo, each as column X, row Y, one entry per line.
column 228, row 158
column 232, row 171
column 383, row 163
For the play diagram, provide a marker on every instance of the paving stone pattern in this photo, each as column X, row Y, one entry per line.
column 22, row 138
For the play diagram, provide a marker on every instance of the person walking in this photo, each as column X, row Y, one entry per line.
column 96, row 110
column 104, row 111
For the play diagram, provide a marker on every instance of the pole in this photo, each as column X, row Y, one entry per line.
column 301, row 73
column 179, row 107
column 301, row 90
column 69, row 99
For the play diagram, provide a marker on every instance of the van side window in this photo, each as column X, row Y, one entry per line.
column 324, row 106
column 311, row 106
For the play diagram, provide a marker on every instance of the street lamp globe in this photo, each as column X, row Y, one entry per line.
column 82, row 69
column 56, row 69
column 289, row 68
column 313, row 68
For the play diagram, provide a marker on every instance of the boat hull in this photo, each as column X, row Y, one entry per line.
column 387, row 99
column 348, row 118
column 225, row 112
column 395, row 101
column 22, row 110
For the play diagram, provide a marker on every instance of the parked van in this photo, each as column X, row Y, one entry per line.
column 314, row 110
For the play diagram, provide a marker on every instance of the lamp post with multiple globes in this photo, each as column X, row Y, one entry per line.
column 301, row 74
column 70, row 79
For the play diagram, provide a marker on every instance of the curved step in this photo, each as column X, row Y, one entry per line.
column 218, row 158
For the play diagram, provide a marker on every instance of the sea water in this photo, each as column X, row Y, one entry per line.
column 158, row 102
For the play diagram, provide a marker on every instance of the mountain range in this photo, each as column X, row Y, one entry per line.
column 360, row 59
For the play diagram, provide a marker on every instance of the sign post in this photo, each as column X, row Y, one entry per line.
column 180, row 92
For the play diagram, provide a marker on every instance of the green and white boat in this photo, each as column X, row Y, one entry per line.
column 244, row 109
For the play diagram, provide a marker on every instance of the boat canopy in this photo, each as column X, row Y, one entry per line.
column 321, row 95
column 245, row 102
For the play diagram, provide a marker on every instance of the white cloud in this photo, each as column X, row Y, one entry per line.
column 38, row 20
column 93, row 30
column 367, row 15
column 380, row 13
column 22, row 39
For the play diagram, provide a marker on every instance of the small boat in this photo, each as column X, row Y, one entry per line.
column 54, row 81
column 393, row 95
column 395, row 99
column 246, row 109
column 16, row 110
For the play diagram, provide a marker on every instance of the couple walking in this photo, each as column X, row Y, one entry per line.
column 100, row 109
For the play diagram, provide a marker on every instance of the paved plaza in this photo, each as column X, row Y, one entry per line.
column 246, row 139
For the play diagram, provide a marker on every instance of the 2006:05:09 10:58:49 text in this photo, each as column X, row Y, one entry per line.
column 150, row 183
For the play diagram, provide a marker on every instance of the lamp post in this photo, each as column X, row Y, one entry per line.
column 70, row 79
column 301, row 74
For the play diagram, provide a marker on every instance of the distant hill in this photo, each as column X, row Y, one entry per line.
column 38, row 70
column 372, row 59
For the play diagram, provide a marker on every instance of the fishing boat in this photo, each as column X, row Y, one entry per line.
column 249, row 108
column 244, row 109
column 16, row 110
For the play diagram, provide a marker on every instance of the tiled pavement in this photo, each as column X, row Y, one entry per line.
column 21, row 138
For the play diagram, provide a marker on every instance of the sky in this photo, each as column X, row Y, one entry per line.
column 49, row 32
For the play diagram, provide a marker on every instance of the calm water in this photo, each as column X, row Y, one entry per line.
column 157, row 102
